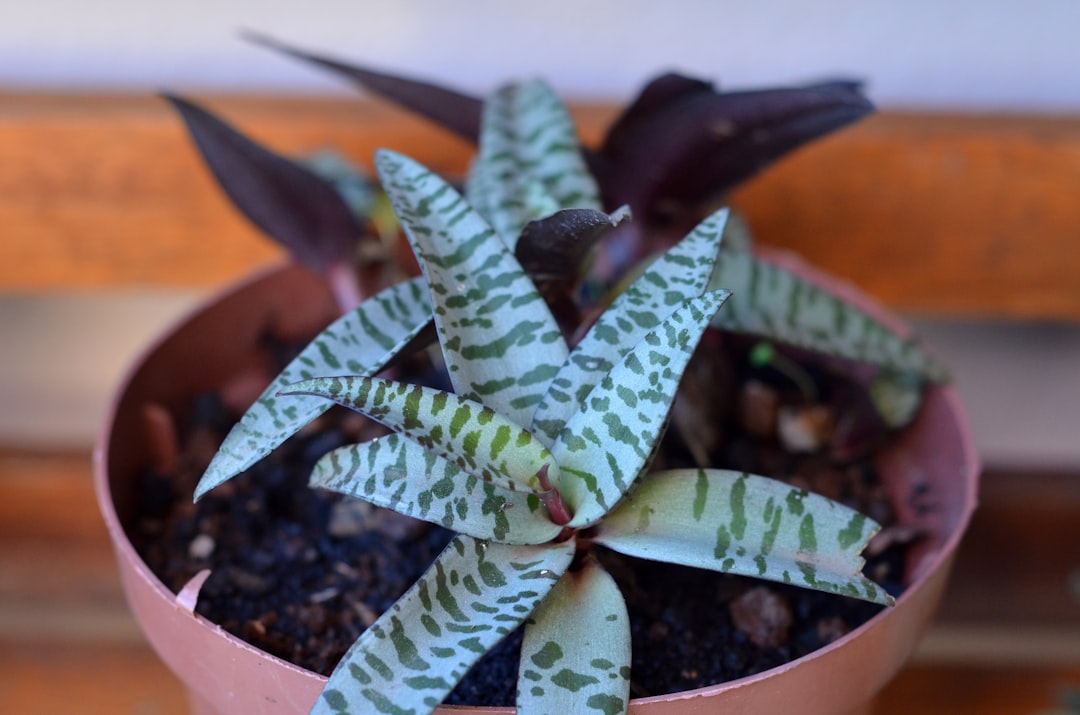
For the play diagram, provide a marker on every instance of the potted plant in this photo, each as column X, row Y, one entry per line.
column 537, row 446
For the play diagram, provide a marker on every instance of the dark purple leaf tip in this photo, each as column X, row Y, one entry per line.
column 286, row 201
column 452, row 110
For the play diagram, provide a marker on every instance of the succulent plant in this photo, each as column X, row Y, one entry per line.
column 670, row 156
column 543, row 449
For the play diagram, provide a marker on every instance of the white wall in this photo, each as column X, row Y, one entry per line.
column 1014, row 55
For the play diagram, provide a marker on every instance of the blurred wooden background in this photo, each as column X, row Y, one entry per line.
column 948, row 216
column 940, row 215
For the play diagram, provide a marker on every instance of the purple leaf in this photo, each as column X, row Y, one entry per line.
column 289, row 203
column 682, row 143
column 454, row 111
column 553, row 249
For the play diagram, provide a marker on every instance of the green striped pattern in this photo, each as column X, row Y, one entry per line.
column 399, row 474
column 361, row 342
column 575, row 657
column 500, row 342
column 744, row 524
column 474, row 594
column 609, row 442
column 530, row 163
column 774, row 303
column 681, row 273
column 477, row 439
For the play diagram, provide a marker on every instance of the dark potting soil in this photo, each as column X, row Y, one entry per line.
column 300, row 573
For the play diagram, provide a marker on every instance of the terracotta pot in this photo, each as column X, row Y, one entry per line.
column 225, row 676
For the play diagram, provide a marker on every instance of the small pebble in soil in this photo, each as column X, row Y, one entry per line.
column 831, row 629
column 804, row 428
column 758, row 405
column 763, row 616
column 201, row 547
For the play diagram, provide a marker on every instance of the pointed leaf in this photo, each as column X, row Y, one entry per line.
column 744, row 524
column 610, row 441
column 500, row 342
column 682, row 143
column 362, row 342
column 477, row 439
column 285, row 200
column 578, row 663
column 474, row 594
column 681, row 273
column 773, row 302
column 399, row 474
column 451, row 110
column 530, row 163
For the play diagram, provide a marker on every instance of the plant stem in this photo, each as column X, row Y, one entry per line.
column 556, row 507
column 552, row 499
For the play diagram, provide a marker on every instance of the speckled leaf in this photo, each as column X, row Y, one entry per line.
column 775, row 303
column 530, row 163
column 362, row 342
column 500, row 342
column 477, row 439
column 472, row 596
column 681, row 273
column 744, row 524
column 399, row 474
column 578, row 664
column 607, row 444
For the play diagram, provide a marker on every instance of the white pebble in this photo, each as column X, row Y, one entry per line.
column 201, row 547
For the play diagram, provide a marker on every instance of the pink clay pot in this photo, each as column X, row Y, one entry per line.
column 226, row 676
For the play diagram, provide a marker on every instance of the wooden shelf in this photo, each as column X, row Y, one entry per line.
column 940, row 215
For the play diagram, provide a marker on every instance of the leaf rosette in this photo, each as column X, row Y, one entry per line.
column 542, row 450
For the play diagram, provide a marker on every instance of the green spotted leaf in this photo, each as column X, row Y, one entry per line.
column 530, row 163
column 477, row 439
column 610, row 441
column 361, row 342
column 773, row 302
column 681, row 273
column 472, row 596
column 744, row 524
column 399, row 474
column 500, row 342
column 578, row 664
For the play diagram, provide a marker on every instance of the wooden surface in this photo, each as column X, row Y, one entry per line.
column 68, row 644
column 942, row 215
